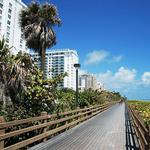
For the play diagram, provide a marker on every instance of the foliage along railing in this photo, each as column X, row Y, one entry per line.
column 142, row 132
column 45, row 126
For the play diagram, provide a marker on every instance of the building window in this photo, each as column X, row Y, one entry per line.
column 21, row 40
column 8, row 28
column 22, row 36
column 0, row 11
column 7, row 34
column 7, row 40
column 9, row 16
column 1, row 5
column 9, row 10
column 0, row 17
column 8, row 22
column 10, row 5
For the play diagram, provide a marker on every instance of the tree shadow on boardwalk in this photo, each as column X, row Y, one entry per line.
column 131, row 139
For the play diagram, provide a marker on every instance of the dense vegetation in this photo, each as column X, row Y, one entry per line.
column 25, row 93
column 143, row 108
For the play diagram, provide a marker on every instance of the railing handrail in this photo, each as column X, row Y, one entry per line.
column 70, row 117
column 141, row 131
column 32, row 119
column 35, row 127
column 141, row 123
column 44, row 135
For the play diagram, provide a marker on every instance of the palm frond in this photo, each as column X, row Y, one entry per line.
column 36, row 22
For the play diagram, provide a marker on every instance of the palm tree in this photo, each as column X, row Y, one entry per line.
column 37, row 22
column 4, row 58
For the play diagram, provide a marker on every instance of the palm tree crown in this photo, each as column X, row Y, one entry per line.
column 37, row 22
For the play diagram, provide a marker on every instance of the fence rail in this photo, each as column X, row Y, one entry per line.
column 44, row 125
column 142, row 132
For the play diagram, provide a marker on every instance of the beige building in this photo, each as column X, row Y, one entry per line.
column 87, row 81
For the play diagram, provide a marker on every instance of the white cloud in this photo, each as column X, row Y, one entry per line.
column 96, row 57
column 124, row 77
column 146, row 78
column 125, row 81
column 117, row 58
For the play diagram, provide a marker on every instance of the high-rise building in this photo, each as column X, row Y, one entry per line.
column 87, row 81
column 9, row 24
column 60, row 61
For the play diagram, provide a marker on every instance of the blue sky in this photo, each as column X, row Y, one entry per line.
column 112, row 38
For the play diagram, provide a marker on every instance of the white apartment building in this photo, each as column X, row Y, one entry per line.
column 61, row 61
column 9, row 24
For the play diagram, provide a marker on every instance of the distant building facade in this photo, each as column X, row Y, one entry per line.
column 100, row 86
column 9, row 24
column 60, row 61
column 87, row 81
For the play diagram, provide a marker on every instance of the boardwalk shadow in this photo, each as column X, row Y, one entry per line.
column 131, row 139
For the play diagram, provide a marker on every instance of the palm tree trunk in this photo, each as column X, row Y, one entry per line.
column 43, row 60
column 2, row 95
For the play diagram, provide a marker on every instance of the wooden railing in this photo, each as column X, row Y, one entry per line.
column 142, row 133
column 45, row 126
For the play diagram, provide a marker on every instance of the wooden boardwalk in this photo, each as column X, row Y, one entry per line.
column 105, row 131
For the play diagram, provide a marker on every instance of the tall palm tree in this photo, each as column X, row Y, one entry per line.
column 4, row 58
column 37, row 22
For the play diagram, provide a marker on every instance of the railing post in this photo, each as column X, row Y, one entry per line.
column 44, row 113
column 2, row 131
column 86, row 110
column 147, row 136
column 78, row 113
